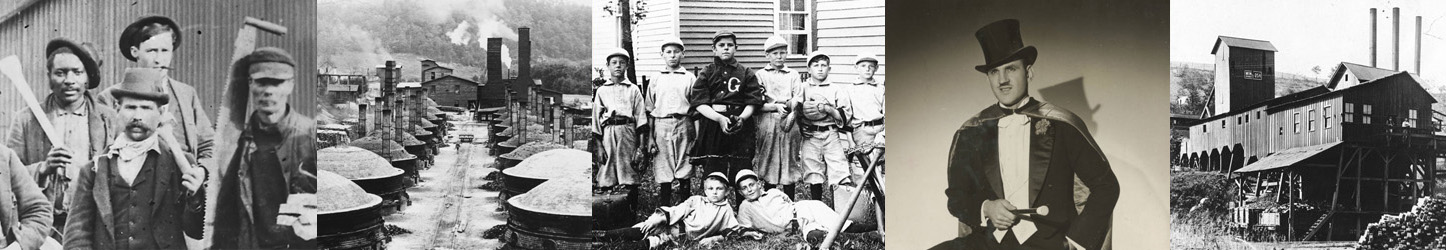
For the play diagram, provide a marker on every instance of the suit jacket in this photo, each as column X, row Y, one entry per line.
column 1061, row 151
column 25, row 214
column 194, row 125
column 92, row 223
column 32, row 146
column 297, row 154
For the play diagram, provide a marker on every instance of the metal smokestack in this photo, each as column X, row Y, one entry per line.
column 1418, row 45
column 1373, row 37
column 1396, row 38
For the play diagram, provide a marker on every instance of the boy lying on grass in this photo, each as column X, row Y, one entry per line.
column 705, row 219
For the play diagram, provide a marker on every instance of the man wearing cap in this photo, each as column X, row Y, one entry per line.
column 771, row 211
column 265, row 184
column 823, row 147
column 667, row 102
column 136, row 195
column 866, row 102
column 151, row 43
column 725, row 97
column 85, row 127
column 1024, row 154
column 777, row 149
column 620, row 114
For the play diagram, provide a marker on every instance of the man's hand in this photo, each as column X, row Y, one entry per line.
column 710, row 241
column 192, row 177
column 59, row 157
column 724, row 122
column 997, row 211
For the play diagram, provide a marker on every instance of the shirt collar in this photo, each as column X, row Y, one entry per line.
column 870, row 82
column 125, row 148
column 59, row 110
column 679, row 71
column 769, row 67
column 1015, row 110
column 624, row 82
column 275, row 128
column 819, row 83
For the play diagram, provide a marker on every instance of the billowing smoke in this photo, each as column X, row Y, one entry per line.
column 460, row 35
column 480, row 19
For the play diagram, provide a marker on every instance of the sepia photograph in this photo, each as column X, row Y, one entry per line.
column 158, row 125
column 458, row 124
column 1319, row 129
column 1030, row 125
column 738, row 124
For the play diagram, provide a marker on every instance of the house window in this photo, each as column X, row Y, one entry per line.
column 1366, row 113
column 1257, row 115
column 1327, row 117
column 795, row 24
column 1296, row 129
column 1239, row 121
column 1222, row 123
column 1310, row 117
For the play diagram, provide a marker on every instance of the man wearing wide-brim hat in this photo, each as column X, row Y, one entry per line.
column 85, row 126
column 266, row 198
column 151, row 42
column 1015, row 165
column 136, row 195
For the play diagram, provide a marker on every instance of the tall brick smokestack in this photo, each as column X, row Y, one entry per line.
column 494, row 59
column 1373, row 37
column 1396, row 38
column 524, row 53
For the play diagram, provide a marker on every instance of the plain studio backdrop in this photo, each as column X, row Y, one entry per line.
column 1107, row 61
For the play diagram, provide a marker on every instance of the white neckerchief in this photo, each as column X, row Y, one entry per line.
column 129, row 155
column 1014, row 150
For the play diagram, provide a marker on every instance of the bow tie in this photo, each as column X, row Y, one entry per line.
column 1013, row 119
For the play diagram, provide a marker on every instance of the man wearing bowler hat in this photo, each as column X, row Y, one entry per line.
column 1014, row 166
column 84, row 126
column 136, row 195
column 266, row 198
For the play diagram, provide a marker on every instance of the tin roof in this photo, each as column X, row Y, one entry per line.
column 1242, row 43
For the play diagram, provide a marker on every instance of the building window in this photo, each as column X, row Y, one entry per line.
column 1296, row 129
column 1410, row 118
column 1366, row 113
column 1239, row 120
column 1327, row 117
column 1257, row 115
column 1350, row 113
column 1282, row 130
column 1310, row 120
column 795, row 24
column 1222, row 124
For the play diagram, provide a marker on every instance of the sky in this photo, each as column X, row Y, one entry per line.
column 1312, row 33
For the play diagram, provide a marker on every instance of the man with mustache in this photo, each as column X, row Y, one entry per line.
column 264, row 183
column 151, row 42
column 85, row 126
column 1023, row 154
column 136, row 195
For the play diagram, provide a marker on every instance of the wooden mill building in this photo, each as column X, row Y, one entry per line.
column 1359, row 147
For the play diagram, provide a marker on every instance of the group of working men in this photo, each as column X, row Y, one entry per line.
column 785, row 125
column 131, row 164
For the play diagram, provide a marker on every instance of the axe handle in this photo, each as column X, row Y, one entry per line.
column 10, row 66
column 265, row 26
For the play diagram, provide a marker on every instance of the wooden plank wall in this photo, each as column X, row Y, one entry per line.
column 1284, row 119
column 1250, row 134
column 208, row 29
column 847, row 28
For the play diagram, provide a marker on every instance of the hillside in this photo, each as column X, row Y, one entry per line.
column 356, row 36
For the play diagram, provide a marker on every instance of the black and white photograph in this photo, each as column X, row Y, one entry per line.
column 1313, row 129
column 752, row 124
column 158, row 125
column 457, row 124
column 1029, row 125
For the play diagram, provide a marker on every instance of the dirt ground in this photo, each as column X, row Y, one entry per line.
column 448, row 210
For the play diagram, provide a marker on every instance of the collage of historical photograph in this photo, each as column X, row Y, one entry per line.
column 722, row 124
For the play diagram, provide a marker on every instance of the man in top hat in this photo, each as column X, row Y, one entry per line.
column 85, row 126
column 265, row 184
column 151, row 42
column 619, row 113
column 725, row 96
column 823, row 150
column 135, row 195
column 777, row 149
column 1015, row 165
column 667, row 101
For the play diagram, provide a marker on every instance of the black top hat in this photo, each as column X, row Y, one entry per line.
column 84, row 52
column 143, row 83
column 1001, row 43
column 130, row 37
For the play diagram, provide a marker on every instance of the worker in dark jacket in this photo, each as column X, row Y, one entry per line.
column 85, row 126
column 265, row 184
column 136, row 195
column 725, row 97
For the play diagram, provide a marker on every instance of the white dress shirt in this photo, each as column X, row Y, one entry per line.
column 1014, row 150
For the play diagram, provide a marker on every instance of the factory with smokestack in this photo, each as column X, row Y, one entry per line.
column 1323, row 163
